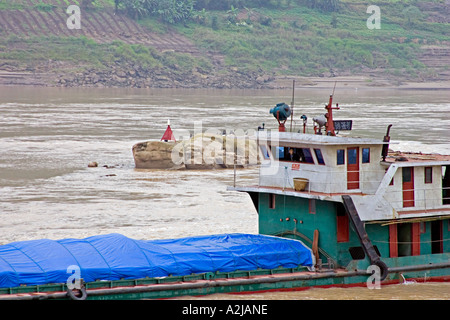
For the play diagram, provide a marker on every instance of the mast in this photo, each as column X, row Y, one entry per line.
column 329, row 126
column 292, row 103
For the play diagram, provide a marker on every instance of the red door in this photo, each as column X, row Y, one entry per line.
column 408, row 186
column 415, row 239
column 393, row 241
column 353, row 168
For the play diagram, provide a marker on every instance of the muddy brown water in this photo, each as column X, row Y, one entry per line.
column 49, row 135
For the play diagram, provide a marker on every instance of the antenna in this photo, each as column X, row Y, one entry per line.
column 292, row 102
column 329, row 126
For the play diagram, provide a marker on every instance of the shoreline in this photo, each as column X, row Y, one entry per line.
column 251, row 82
column 361, row 82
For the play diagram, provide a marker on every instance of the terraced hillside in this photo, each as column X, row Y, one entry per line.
column 261, row 45
column 39, row 49
column 99, row 24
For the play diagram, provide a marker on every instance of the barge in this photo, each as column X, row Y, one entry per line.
column 332, row 211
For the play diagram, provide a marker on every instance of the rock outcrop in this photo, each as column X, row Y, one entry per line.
column 203, row 151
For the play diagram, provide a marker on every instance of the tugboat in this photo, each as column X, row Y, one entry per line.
column 356, row 202
column 333, row 211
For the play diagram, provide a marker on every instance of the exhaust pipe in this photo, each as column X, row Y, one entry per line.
column 386, row 138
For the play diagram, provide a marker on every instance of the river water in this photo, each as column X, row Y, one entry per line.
column 49, row 135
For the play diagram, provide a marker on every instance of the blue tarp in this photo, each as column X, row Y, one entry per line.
column 114, row 256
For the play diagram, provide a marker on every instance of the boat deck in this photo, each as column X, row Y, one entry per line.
column 201, row 286
column 335, row 196
column 415, row 157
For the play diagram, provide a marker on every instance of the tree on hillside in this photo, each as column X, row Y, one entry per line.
column 232, row 14
column 412, row 14
column 226, row 4
column 334, row 20
column 135, row 8
column 86, row 3
column 217, row 5
column 172, row 11
column 324, row 5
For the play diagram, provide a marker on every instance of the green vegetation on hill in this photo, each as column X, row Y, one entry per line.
column 86, row 54
column 299, row 40
column 254, row 37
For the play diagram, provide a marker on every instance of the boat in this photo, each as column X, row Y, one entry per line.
column 360, row 205
column 359, row 213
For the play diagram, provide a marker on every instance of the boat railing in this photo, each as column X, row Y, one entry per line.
column 424, row 199
column 325, row 181
column 332, row 182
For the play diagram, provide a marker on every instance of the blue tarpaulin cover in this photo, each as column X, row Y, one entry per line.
column 114, row 256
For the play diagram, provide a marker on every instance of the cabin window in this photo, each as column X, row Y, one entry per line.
column 271, row 201
column 319, row 156
column 428, row 174
column 291, row 154
column 307, row 156
column 366, row 155
column 312, row 206
column 302, row 155
column 445, row 185
column 340, row 156
column 352, row 156
column 407, row 174
column 279, row 153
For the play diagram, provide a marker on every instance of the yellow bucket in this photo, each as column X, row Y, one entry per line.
column 300, row 184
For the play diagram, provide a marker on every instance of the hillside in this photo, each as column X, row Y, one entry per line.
column 242, row 48
column 110, row 49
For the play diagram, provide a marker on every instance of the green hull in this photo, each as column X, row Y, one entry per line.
column 290, row 217
column 423, row 268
